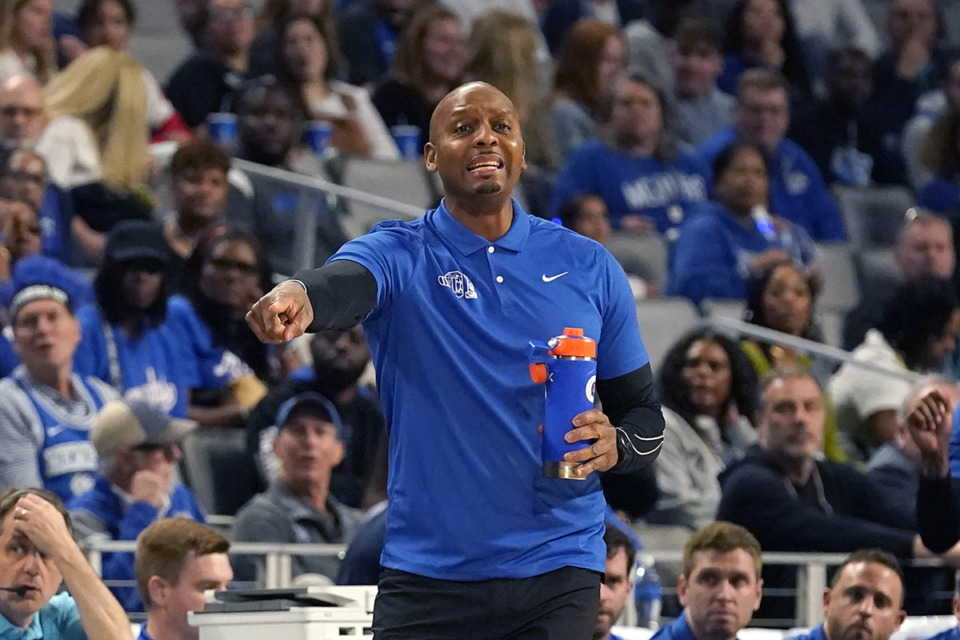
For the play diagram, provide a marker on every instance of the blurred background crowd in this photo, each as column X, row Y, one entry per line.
column 782, row 165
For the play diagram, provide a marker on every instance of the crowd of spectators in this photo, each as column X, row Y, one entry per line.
column 130, row 248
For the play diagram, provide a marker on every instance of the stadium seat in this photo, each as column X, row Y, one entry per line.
column 840, row 292
column 876, row 268
column 873, row 215
column 219, row 470
column 644, row 255
column 402, row 181
column 662, row 322
column 723, row 308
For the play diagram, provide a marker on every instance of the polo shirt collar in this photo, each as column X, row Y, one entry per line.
column 10, row 632
column 468, row 242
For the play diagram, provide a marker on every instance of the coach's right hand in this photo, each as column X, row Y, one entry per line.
column 281, row 315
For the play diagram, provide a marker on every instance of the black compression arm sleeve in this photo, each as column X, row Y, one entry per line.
column 342, row 293
column 632, row 406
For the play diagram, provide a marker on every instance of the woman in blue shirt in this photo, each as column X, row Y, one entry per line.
column 732, row 236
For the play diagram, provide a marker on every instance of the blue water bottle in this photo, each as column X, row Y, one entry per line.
column 648, row 593
column 567, row 366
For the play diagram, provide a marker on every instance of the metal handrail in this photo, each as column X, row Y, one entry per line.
column 811, row 567
column 305, row 217
column 803, row 344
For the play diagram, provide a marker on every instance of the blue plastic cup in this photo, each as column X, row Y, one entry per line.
column 319, row 137
column 407, row 137
column 223, row 128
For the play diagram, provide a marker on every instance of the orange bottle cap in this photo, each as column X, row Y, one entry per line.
column 573, row 344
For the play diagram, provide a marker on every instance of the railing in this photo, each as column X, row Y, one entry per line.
column 802, row 344
column 277, row 573
column 306, row 214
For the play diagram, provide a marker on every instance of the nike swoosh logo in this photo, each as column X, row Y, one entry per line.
column 547, row 278
column 53, row 432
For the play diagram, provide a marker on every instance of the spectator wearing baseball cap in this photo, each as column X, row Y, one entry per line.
column 138, row 449
column 46, row 408
column 298, row 506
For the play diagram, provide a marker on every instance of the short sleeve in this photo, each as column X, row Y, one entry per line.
column 620, row 349
column 215, row 367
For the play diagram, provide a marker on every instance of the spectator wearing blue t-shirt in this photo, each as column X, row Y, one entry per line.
column 148, row 344
column 731, row 237
column 797, row 190
column 645, row 179
column 125, row 339
column 369, row 31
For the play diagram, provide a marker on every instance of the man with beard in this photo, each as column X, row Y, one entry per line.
column 339, row 359
column 864, row 601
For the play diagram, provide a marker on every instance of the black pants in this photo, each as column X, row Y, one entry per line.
column 559, row 605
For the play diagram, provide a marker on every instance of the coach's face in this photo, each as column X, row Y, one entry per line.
column 475, row 143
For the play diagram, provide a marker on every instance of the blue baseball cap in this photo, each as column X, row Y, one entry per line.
column 308, row 403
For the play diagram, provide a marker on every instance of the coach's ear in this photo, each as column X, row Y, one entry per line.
column 430, row 157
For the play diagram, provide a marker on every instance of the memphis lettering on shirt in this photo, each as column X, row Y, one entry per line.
column 632, row 184
column 67, row 461
column 163, row 363
column 662, row 190
column 448, row 337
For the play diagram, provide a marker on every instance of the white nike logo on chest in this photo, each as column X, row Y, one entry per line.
column 547, row 278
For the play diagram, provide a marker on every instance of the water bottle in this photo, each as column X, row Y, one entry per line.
column 567, row 367
column 763, row 220
column 648, row 593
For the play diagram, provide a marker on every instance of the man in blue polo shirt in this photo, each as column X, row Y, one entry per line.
column 38, row 556
column 720, row 586
column 864, row 601
column 478, row 542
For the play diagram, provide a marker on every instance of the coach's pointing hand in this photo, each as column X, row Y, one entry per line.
column 281, row 315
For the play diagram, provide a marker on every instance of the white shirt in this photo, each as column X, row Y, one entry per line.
column 334, row 106
column 70, row 151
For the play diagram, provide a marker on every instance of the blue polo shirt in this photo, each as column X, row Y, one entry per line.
column 57, row 620
column 448, row 337
column 814, row 634
column 679, row 629
column 953, row 633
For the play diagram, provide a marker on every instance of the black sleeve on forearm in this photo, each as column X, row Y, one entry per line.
column 938, row 513
column 632, row 406
column 341, row 293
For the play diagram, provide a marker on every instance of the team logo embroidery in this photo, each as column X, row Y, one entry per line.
column 459, row 284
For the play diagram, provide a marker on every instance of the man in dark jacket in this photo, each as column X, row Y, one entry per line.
column 792, row 501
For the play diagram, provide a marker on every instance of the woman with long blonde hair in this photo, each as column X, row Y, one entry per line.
column 503, row 52
column 26, row 39
column 104, row 88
